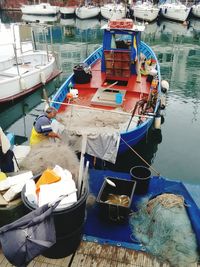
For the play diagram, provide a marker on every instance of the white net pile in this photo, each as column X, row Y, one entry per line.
column 163, row 227
column 92, row 121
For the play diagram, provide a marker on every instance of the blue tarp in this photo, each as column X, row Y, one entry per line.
column 104, row 232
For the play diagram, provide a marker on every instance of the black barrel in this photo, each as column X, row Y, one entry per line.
column 80, row 75
column 68, row 225
column 142, row 176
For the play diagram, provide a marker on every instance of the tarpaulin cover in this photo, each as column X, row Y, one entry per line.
column 98, row 230
column 29, row 236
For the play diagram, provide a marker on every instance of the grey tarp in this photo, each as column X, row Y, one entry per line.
column 29, row 236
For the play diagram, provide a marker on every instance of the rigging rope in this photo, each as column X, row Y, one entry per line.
column 158, row 173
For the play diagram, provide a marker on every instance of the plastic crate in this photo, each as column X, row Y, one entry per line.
column 117, row 213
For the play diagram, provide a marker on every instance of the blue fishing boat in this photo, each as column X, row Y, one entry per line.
column 121, row 78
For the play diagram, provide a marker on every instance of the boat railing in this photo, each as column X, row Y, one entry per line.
column 64, row 89
column 94, row 56
column 149, row 53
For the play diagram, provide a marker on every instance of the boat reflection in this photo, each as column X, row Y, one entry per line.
column 39, row 19
column 174, row 28
column 195, row 25
column 67, row 22
column 87, row 24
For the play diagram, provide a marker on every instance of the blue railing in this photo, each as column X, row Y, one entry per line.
column 60, row 95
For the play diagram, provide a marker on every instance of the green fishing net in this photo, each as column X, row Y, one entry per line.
column 162, row 225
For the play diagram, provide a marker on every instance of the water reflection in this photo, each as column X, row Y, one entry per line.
column 87, row 24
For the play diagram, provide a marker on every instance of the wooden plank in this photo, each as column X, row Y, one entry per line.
column 89, row 248
column 109, row 252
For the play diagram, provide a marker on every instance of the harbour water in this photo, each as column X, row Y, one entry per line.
column 176, row 155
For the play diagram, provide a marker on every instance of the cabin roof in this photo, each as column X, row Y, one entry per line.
column 135, row 28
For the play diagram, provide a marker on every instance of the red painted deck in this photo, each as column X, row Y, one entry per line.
column 134, row 90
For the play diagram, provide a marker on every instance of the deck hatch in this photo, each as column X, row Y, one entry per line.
column 107, row 97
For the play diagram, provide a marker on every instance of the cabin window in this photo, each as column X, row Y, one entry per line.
column 121, row 41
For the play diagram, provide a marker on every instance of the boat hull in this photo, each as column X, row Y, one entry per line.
column 145, row 12
column 85, row 12
column 67, row 11
column 175, row 12
column 30, row 77
column 40, row 9
column 112, row 11
column 196, row 10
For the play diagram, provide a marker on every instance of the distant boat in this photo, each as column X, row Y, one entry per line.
column 24, row 72
column 67, row 11
column 39, row 18
column 113, row 11
column 40, row 9
column 196, row 10
column 145, row 11
column 87, row 11
column 174, row 10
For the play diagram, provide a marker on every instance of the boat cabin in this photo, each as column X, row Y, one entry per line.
column 121, row 44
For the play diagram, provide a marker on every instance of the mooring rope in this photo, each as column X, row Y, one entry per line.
column 158, row 173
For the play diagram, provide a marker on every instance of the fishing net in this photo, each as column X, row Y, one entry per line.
column 48, row 154
column 162, row 225
column 90, row 121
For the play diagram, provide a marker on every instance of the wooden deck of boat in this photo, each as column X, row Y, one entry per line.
column 95, row 255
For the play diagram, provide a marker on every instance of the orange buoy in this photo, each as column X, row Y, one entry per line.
column 69, row 96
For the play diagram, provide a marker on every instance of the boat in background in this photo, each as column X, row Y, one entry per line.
column 87, row 11
column 67, row 11
column 40, row 9
column 196, row 10
column 145, row 11
column 39, row 18
column 113, row 11
column 174, row 10
column 26, row 69
column 111, row 87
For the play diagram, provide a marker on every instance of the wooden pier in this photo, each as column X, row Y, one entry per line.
column 95, row 255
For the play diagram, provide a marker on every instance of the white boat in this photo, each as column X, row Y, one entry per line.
column 196, row 10
column 174, row 10
column 40, row 9
column 67, row 11
column 87, row 11
column 145, row 11
column 39, row 18
column 22, row 72
column 113, row 11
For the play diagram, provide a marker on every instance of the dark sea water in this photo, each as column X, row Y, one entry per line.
column 176, row 152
